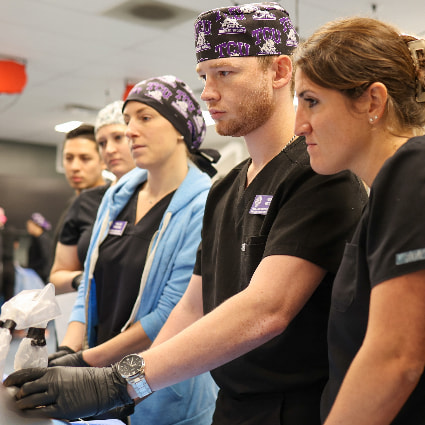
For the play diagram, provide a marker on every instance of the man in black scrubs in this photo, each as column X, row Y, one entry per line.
column 256, row 309
column 83, row 166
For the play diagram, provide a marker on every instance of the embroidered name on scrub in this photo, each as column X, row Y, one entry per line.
column 261, row 204
column 410, row 256
column 117, row 228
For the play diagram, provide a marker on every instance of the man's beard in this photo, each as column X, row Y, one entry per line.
column 254, row 110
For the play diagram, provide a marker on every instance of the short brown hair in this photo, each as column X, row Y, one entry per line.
column 84, row 130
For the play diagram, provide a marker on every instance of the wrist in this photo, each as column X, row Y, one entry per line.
column 76, row 281
column 132, row 369
column 91, row 358
column 83, row 360
column 131, row 392
column 69, row 350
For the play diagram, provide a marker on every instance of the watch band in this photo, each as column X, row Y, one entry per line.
column 140, row 385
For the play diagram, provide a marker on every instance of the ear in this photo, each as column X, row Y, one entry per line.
column 282, row 68
column 377, row 97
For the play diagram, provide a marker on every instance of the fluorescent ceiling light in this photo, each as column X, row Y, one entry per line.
column 67, row 126
column 207, row 118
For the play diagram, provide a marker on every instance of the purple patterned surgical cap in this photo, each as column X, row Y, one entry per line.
column 253, row 29
column 174, row 100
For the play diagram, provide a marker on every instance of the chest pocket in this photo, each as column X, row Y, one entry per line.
column 344, row 289
column 251, row 254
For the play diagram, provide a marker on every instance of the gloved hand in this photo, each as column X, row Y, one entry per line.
column 73, row 360
column 120, row 413
column 69, row 392
column 63, row 350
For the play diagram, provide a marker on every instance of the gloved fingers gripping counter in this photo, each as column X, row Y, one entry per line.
column 32, row 310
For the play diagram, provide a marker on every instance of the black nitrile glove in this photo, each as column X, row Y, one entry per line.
column 73, row 360
column 69, row 392
column 120, row 413
column 63, row 350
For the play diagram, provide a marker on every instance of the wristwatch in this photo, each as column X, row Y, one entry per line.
column 132, row 369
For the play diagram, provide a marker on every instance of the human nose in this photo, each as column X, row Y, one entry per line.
column 209, row 92
column 130, row 131
column 110, row 146
column 75, row 164
column 302, row 127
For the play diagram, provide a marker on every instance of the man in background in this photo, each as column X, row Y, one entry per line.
column 81, row 159
column 82, row 163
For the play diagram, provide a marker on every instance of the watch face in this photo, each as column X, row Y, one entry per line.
column 130, row 365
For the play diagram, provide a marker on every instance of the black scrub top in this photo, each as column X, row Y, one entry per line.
column 287, row 209
column 389, row 242
column 120, row 265
column 79, row 220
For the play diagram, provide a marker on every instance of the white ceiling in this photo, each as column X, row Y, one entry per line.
column 76, row 53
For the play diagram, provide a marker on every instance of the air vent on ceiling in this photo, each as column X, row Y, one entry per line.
column 151, row 12
column 154, row 12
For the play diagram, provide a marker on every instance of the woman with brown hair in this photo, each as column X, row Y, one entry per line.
column 360, row 86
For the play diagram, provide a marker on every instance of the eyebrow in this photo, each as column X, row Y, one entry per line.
column 141, row 108
column 220, row 64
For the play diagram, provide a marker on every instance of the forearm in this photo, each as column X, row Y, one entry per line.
column 391, row 359
column 186, row 312
column 215, row 339
column 74, row 336
column 65, row 267
column 279, row 288
column 133, row 340
column 374, row 390
column 62, row 279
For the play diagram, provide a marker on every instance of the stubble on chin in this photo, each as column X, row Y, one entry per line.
column 229, row 129
column 253, row 112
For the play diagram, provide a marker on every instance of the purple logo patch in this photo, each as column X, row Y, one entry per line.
column 117, row 228
column 261, row 204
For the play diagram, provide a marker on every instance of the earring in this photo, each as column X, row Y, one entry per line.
column 371, row 120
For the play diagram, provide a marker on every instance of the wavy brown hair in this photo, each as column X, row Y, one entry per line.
column 350, row 54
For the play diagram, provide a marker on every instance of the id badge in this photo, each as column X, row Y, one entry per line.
column 261, row 204
column 117, row 228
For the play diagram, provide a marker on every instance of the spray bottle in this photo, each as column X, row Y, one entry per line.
column 31, row 309
column 6, row 329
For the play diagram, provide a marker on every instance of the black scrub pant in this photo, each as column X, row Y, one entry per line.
column 299, row 407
